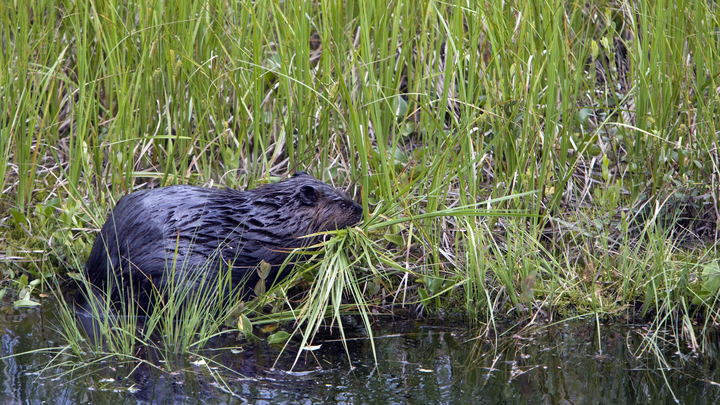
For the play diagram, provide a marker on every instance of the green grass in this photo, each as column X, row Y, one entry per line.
column 522, row 160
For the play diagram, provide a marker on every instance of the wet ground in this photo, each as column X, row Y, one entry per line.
column 417, row 364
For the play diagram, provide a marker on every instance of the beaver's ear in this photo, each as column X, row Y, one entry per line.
column 308, row 195
column 300, row 174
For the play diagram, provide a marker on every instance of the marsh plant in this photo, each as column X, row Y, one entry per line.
column 191, row 309
column 532, row 161
column 186, row 314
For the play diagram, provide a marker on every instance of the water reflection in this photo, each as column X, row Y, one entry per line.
column 562, row 364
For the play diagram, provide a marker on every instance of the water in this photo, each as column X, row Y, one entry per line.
column 417, row 364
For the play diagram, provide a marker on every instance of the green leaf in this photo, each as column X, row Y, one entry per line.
column 711, row 275
column 19, row 217
column 269, row 328
column 264, row 270
column 23, row 280
column 399, row 159
column 424, row 297
column 373, row 287
column 605, row 167
column 400, row 107
column 434, row 284
column 594, row 49
column 407, row 128
column 526, row 292
column 584, row 114
column 245, row 326
column 279, row 337
column 395, row 239
column 25, row 300
column 260, row 287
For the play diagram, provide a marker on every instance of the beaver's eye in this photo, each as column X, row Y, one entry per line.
column 343, row 205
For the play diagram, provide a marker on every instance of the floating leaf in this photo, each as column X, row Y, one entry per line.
column 269, row 328
column 279, row 337
column 25, row 300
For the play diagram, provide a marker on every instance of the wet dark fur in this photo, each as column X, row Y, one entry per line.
column 201, row 230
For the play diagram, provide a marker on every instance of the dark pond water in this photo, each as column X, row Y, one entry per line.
column 562, row 364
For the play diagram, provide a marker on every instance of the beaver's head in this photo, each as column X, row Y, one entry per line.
column 302, row 205
column 332, row 208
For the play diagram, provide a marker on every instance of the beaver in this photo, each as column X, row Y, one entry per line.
column 185, row 235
